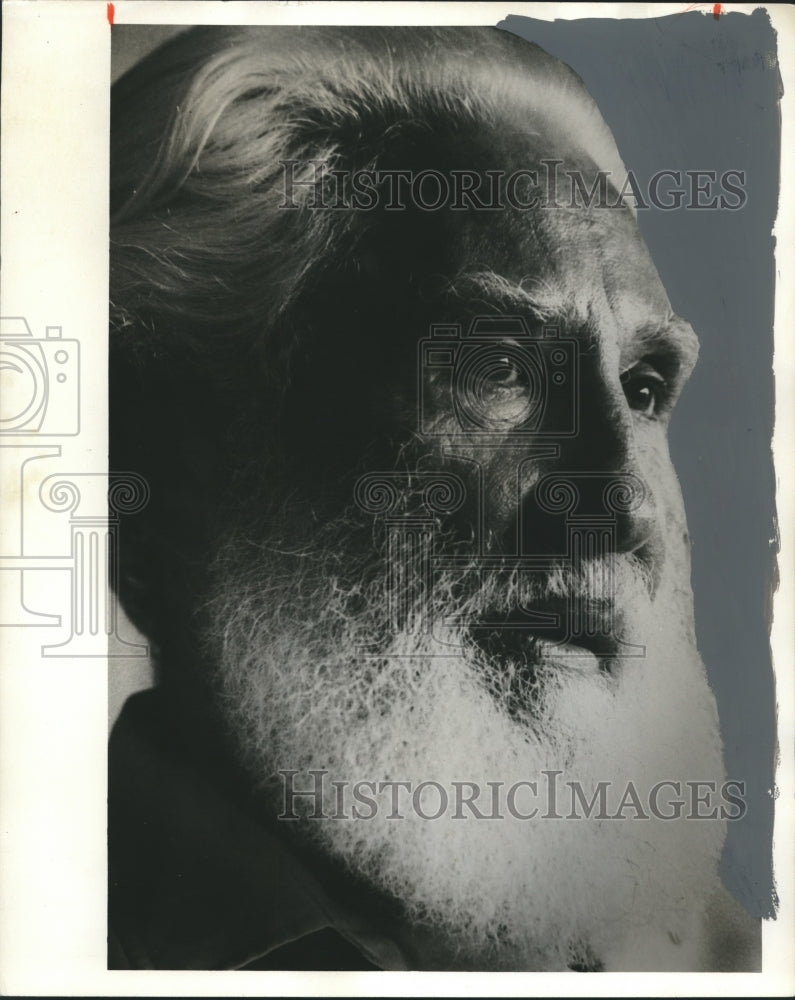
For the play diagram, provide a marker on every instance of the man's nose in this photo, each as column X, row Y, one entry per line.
column 596, row 482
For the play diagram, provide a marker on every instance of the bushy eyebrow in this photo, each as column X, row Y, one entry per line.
column 674, row 337
column 670, row 335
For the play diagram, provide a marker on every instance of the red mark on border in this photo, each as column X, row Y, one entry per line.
column 112, row 12
column 717, row 9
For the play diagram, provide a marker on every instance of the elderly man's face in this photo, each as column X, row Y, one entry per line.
column 525, row 354
column 535, row 616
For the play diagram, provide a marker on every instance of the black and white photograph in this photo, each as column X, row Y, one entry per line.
column 403, row 535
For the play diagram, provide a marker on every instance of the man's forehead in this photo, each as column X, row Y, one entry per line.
column 576, row 267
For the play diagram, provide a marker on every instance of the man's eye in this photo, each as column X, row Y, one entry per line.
column 645, row 389
column 505, row 374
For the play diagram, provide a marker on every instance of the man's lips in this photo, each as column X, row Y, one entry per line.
column 579, row 634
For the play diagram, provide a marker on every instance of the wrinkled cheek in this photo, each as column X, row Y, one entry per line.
column 675, row 582
column 675, row 530
column 660, row 478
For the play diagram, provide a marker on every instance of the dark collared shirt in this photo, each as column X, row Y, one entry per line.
column 198, row 881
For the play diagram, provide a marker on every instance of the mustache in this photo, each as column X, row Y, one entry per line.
column 292, row 535
column 370, row 583
column 353, row 571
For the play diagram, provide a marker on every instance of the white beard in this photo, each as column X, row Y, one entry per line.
column 505, row 893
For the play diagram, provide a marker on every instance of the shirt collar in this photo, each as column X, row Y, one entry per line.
column 196, row 881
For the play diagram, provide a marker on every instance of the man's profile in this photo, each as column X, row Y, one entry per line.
column 392, row 355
